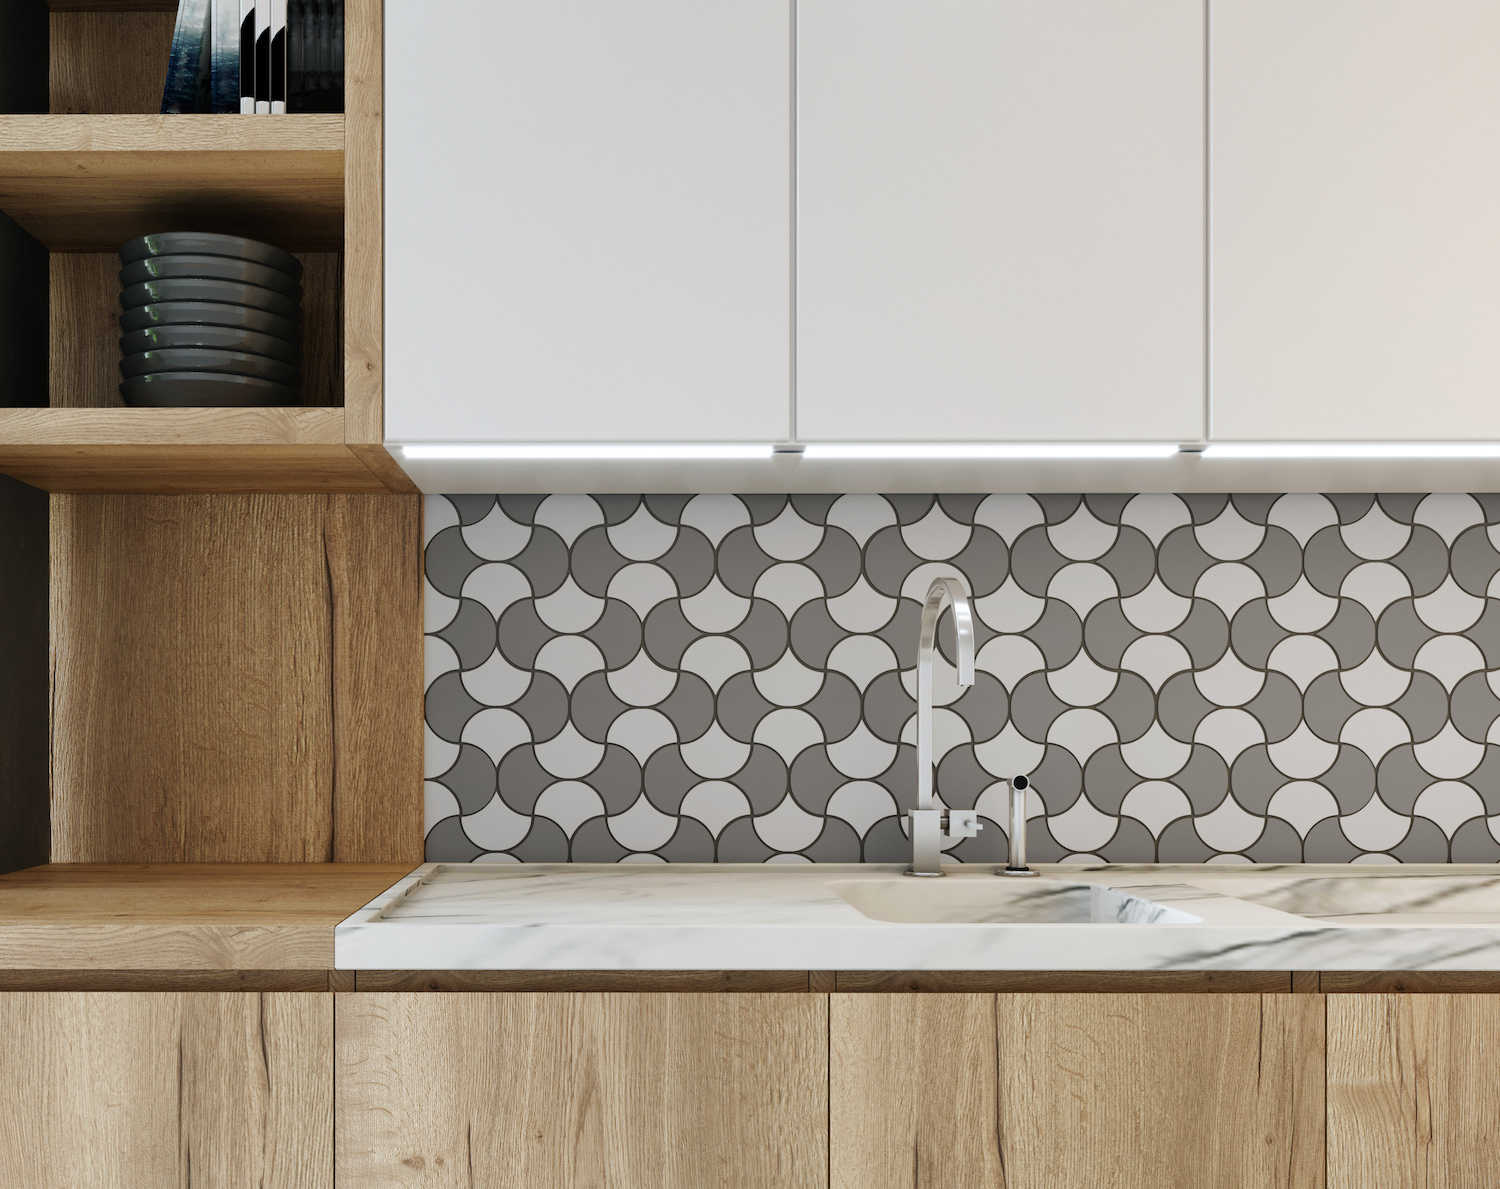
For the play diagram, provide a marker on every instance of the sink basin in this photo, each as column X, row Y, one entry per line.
column 1364, row 896
column 990, row 900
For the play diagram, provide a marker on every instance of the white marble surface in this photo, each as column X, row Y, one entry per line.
column 803, row 917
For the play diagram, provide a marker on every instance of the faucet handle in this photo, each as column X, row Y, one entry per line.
column 963, row 823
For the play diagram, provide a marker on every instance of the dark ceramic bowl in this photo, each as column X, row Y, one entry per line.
column 207, row 243
column 210, row 313
column 175, row 390
column 226, row 292
column 222, row 338
column 210, row 268
column 206, row 359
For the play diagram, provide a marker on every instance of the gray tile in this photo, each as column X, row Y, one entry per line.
column 1227, row 664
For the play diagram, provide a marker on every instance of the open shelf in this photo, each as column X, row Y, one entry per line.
column 182, row 916
column 182, row 450
column 103, row 168
column 89, row 183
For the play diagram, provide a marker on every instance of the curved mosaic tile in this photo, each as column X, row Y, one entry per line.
column 1263, row 678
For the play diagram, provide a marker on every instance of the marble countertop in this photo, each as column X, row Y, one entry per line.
column 867, row 917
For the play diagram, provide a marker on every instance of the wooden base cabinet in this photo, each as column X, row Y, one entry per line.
column 1412, row 1091
column 132, row 1090
column 1052, row 1091
column 582, row 1091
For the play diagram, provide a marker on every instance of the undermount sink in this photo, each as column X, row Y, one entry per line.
column 991, row 900
column 1363, row 896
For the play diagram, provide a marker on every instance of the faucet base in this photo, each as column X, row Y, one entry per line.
column 1016, row 871
column 925, row 874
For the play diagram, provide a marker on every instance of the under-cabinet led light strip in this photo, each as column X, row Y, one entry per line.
column 1336, row 450
column 850, row 451
column 934, row 451
column 586, row 451
column 1014, row 450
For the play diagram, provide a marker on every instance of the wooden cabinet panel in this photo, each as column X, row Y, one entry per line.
column 236, row 679
column 1037, row 1091
column 1355, row 238
column 545, row 1091
column 1411, row 1091
column 913, row 1100
column 1162, row 1091
column 1000, row 220
column 127, row 1090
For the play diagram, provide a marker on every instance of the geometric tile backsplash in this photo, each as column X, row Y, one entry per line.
column 1262, row 678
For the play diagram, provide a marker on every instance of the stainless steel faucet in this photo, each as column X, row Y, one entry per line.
column 1015, row 863
column 930, row 826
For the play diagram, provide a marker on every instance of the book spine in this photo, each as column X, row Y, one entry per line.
column 278, row 57
column 225, row 63
column 247, row 57
column 186, row 77
column 263, row 57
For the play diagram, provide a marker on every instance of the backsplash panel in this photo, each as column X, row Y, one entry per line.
column 1263, row 678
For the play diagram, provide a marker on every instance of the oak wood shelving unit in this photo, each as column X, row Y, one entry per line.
column 98, row 168
column 212, row 658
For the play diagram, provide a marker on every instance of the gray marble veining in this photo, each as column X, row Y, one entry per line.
column 866, row 917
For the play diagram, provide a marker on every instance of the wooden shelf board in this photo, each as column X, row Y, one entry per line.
column 171, row 427
column 89, row 183
column 112, row 5
column 177, row 451
column 188, row 916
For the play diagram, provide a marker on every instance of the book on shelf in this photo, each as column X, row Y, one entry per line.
column 245, row 62
column 224, row 56
column 187, row 85
column 264, row 57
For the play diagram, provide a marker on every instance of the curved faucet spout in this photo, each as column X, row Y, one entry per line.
column 943, row 592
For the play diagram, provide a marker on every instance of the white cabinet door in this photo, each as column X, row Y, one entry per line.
column 1000, row 219
column 588, row 220
column 1355, row 197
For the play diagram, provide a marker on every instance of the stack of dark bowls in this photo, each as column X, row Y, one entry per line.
column 209, row 320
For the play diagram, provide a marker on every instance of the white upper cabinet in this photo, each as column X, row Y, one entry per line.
column 1000, row 220
column 588, row 220
column 1355, row 196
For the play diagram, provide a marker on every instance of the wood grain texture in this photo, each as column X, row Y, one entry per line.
column 913, row 1092
column 1161, row 1091
column 1411, row 1091
column 1055, row 982
column 322, row 328
column 82, row 429
column 120, row 1091
column 175, row 917
column 112, row 5
column 190, row 470
column 83, row 331
column 236, row 679
column 134, row 145
column 373, row 558
column 384, row 467
column 87, row 183
column 166, row 980
column 108, row 62
column 364, row 228
column 180, row 451
column 653, row 981
column 1396, row 982
column 24, row 813
column 563, row 1091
